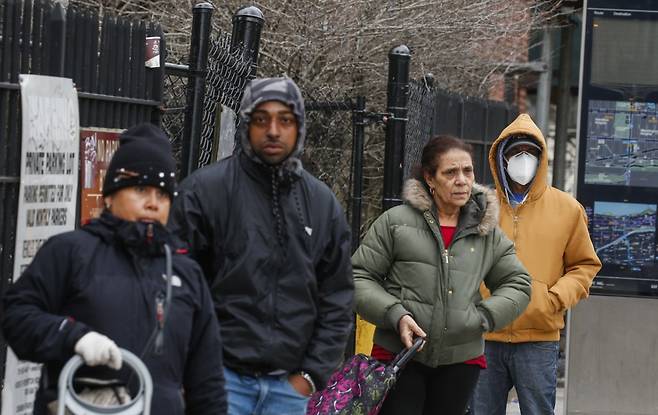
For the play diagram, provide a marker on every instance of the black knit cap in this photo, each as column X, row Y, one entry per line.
column 517, row 140
column 142, row 159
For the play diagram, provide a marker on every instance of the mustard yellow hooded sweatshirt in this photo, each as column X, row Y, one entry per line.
column 549, row 231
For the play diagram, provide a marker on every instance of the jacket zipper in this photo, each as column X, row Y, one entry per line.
column 434, row 226
column 444, row 293
column 515, row 221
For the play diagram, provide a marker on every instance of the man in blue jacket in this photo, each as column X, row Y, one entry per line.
column 275, row 249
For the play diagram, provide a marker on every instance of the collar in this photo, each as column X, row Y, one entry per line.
column 144, row 239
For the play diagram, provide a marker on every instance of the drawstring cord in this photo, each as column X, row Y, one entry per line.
column 162, row 309
column 276, row 207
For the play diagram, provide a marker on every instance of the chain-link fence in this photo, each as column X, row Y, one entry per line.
column 419, row 127
column 174, row 102
column 434, row 111
column 345, row 149
column 328, row 148
column 225, row 78
column 228, row 74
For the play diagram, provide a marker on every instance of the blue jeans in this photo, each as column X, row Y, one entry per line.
column 263, row 395
column 530, row 367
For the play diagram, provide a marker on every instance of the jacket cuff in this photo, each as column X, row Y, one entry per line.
column 394, row 314
column 487, row 320
column 555, row 302
column 73, row 331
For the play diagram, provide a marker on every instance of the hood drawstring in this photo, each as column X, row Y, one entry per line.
column 276, row 207
column 163, row 302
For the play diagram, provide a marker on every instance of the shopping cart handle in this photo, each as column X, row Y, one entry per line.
column 68, row 399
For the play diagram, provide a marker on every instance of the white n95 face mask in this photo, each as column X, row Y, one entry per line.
column 522, row 167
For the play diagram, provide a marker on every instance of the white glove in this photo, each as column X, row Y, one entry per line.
column 97, row 349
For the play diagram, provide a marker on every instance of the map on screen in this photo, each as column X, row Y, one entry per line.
column 624, row 233
column 622, row 143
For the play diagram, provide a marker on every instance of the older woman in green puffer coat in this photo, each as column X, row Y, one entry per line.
column 418, row 273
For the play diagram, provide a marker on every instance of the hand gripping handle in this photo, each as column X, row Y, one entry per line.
column 140, row 404
column 407, row 354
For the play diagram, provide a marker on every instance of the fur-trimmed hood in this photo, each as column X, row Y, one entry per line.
column 484, row 201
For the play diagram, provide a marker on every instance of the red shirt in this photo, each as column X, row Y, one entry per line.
column 383, row 355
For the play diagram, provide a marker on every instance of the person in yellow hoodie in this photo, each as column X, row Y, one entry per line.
column 549, row 230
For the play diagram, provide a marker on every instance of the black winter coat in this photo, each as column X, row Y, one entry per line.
column 105, row 277
column 280, row 307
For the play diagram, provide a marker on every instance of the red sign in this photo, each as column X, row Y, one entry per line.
column 152, row 58
column 96, row 150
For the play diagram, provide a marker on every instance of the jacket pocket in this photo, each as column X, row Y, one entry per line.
column 464, row 326
column 541, row 314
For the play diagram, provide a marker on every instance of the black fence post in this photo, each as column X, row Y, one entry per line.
column 198, row 62
column 56, row 41
column 247, row 25
column 358, row 136
column 396, row 125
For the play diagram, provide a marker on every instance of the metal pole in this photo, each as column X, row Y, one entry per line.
column 198, row 62
column 358, row 135
column 247, row 25
column 562, row 116
column 396, row 103
column 544, row 88
column 57, row 41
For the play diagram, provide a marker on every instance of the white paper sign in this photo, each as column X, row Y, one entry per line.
column 47, row 199
column 226, row 133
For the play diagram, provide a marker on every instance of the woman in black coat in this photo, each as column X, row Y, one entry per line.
column 104, row 286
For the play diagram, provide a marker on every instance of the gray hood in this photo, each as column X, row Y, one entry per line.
column 284, row 90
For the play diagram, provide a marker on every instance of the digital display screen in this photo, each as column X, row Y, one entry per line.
column 622, row 143
column 624, row 234
column 618, row 145
column 624, row 237
column 624, row 51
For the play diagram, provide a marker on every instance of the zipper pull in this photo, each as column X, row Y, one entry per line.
column 445, row 255
column 159, row 310
column 159, row 317
column 149, row 232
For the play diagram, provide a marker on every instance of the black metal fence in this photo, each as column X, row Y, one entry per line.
column 219, row 69
column 115, row 88
column 434, row 111
column 333, row 153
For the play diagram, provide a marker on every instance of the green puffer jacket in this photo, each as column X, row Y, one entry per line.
column 403, row 268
